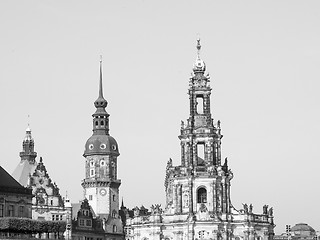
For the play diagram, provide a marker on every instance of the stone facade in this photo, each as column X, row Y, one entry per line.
column 15, row 200
column 47, row 203
column 198, row 204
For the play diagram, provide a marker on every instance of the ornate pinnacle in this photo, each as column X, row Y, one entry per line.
column 198, row 47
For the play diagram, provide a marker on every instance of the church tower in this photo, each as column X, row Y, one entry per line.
column 28, row 160
column 198, row 204
column 101, row 185
column 202, row 184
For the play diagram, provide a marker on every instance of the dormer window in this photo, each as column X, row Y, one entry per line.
column 88, row 223
column 81, row 222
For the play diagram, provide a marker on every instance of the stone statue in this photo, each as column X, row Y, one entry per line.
column 136, row 211
column 245, row 207
column 156, row 209
column 169, row 163
column 265, row 209
column 250, row 208
column 271, row 212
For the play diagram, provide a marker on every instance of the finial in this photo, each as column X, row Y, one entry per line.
column 198, row 47
column 100, row 86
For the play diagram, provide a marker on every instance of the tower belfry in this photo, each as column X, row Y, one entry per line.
column 28, row 152
column 200, row 138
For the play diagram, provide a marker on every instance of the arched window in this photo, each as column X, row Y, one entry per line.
column 114, row 228
column 202, row 195
column 200, row 104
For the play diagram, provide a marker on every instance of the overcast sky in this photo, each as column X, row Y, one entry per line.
column 263, row 58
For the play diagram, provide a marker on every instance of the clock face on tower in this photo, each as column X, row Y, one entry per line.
column 103, row 192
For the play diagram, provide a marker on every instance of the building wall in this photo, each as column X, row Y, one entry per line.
column 13, row 204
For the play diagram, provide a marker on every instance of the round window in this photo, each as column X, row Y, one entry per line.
column 103, row 146
column 91, row 146
column 114, row 147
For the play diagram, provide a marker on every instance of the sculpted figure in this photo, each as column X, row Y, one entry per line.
column 136, row 211
column 169, row 163
column 271, row 212
column 250, row 208
column 265, row 209
column 157, row 209
column 219, row 124
column 245, row 207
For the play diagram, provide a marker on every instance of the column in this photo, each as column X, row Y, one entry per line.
column 179, row 190
column 219, row 153
column 175, row 198
column 214, row 191
column 228, row 196
column 223, row 198
column 190, row 197
column 182, row 154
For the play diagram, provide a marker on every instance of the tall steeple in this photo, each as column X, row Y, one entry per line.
column 101, row 184
column 100, row 117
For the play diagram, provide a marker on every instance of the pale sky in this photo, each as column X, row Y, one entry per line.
column 263, row 58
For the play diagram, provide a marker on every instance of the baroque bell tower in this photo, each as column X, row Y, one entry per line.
column 101, row 185
column 201, row 184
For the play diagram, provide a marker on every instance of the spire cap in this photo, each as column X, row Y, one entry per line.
column 199, row 65
column 28, row 136
column 100, row 102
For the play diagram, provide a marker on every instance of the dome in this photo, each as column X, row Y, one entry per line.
column 101, row 145
column 302, row 227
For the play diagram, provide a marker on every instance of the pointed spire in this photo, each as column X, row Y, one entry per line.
column 100, row 86
column 100, row 103
column 122, row 205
